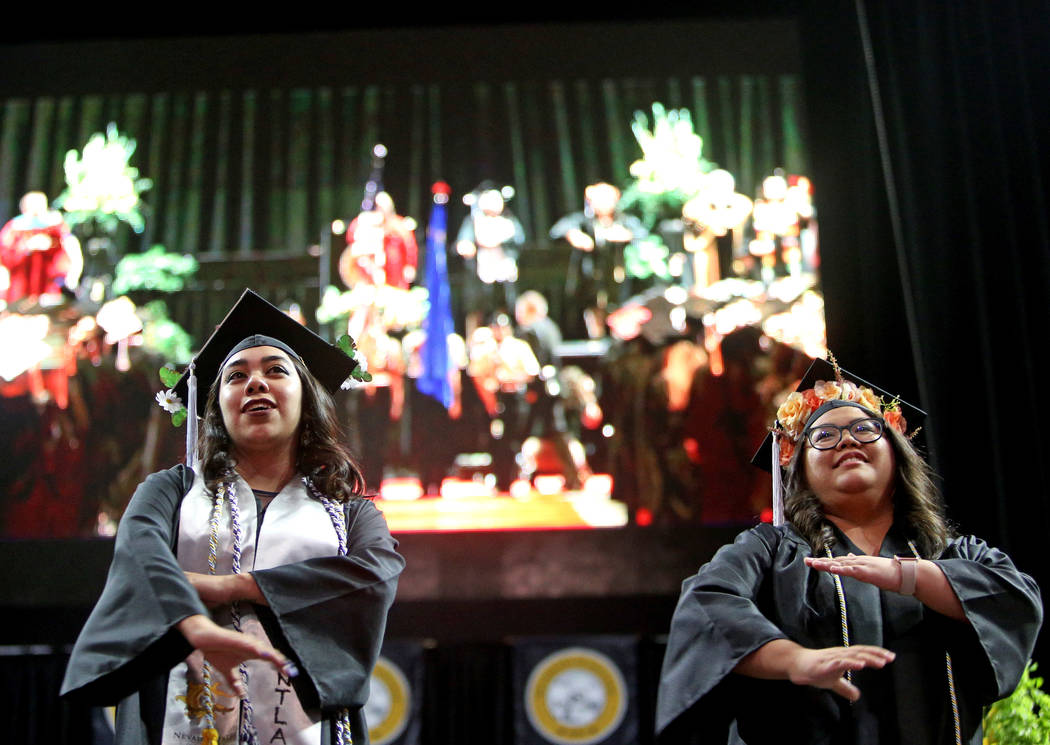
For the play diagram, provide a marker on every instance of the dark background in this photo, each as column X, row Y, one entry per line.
column 926, row 131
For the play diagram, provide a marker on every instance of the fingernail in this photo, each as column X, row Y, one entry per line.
column 290, row 669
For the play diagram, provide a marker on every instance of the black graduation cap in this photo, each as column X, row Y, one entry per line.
column 253, row 316
column 821, row 369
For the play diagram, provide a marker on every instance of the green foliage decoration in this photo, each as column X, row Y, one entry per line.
column 1023, row 717
column 167, row 399
column 154, row 270
column 647, row 258
column 102, row 187
column 672, row 167
column 169, row 376
column 346, row 344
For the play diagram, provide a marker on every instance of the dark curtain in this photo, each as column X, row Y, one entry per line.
column 30, row 709
column 467, row 694
column 929, row 124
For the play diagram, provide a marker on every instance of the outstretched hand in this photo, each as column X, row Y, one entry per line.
column 825, row 668
column 875, row 570
column 783, row 659
column 932, row 588
column 226, row 649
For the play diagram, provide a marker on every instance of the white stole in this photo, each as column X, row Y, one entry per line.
column 296, row 527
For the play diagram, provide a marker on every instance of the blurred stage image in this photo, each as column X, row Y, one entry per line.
column 613, row 367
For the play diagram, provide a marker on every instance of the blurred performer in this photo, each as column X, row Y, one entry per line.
column 501, row 367
column 583, row 410
column 39, row 253
column 782, row 225
column 381, row 247
column 536, row 327
column 489, row 241
column 597, row 273
column 545, row 429
column 713, row 221
column 649, row 385
column 723, row 418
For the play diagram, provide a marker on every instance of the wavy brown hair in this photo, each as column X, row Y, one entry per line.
column 917, row 502
column 320, row 453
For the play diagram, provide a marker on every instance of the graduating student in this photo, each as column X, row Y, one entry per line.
column 858, row 616
column 262, row 561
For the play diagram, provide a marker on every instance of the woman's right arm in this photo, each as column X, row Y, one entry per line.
column 783, row 659
column 134, row 631
column 130, row 634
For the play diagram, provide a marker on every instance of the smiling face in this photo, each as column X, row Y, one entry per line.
column 260, row 397
column 851, row 474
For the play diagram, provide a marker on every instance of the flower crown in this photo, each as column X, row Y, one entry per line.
column 796, row 410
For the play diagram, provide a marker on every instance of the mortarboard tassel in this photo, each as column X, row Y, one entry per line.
column 191, row 417
column 778, row 488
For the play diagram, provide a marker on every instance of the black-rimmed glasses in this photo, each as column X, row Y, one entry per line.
column 827, row 436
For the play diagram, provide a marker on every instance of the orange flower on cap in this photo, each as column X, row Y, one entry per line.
column 787, row 450
column 894, row 418
column 850, row 391
column 869, row 400
column 793, row 414
column 827, row 390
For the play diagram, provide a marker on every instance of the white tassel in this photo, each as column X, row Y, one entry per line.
column 778, row 487
column 191, row 417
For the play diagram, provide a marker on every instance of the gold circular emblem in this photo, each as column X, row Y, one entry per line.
column 575, row 696
column 389, row 703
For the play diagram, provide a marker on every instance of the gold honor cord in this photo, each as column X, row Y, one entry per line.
column 947, row 657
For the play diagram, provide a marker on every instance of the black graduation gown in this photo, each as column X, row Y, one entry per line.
column 758, row 589
column 326, row 614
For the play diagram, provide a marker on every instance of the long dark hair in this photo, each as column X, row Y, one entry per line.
column 917, row 502
column 321, row 453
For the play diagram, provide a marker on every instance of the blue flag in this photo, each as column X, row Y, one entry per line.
column 433, row 379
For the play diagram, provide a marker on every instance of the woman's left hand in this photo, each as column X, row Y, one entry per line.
column 931, row 586
column 875, row 570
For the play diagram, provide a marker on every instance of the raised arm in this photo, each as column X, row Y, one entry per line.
column 136, row 629
column 929, row 584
